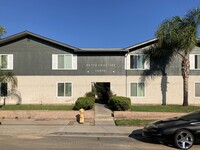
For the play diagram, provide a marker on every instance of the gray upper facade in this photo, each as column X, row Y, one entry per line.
column 30, row 54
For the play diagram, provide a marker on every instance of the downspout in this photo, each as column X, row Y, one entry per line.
column 126, row 72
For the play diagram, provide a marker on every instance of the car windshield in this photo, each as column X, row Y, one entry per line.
column 191, row 116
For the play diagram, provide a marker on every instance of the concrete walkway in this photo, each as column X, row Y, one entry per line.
column 103, row 115
column 104, row 126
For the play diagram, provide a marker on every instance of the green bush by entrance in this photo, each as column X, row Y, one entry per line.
column 85, row 103
column 119, row 103
column 90, row 94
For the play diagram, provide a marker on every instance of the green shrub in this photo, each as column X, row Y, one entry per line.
column 90, row 94
column 85, row 103
column 119, row 103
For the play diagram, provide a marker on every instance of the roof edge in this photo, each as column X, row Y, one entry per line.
column 26, row 32
column 142, row 43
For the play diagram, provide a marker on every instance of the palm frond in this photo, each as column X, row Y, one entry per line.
column 9, row 78
column 2, row 31
column 179, row 34
column 193, row 16
column 159, row 60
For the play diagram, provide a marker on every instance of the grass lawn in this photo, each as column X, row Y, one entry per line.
column 153, row 108
column 164, row 108
column 37, row 107
column 132, row 122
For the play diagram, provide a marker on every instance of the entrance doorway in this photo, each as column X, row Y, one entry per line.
column 102, row 90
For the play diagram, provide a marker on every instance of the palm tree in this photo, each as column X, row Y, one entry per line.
column 176, row 36
column 2, row 31
column 7, row 77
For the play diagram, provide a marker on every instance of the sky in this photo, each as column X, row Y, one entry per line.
column 91, row 23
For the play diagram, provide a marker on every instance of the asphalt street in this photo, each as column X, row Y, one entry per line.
column 33, row 142
column 81, row 142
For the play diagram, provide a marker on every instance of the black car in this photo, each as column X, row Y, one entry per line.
column 184, row 131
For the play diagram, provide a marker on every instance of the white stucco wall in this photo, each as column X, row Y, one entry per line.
column 43, row 89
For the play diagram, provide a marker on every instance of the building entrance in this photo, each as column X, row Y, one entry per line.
column 102, row 91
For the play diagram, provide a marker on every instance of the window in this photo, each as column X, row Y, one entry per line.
column 197, row 89
column 64, row 61
column 137, row 89
column 6, row 61
column 3, row 89
column 64, row 89
column 194, row 61
column 136, row 62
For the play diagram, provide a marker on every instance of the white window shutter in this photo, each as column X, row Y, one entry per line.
column 74, row 61
column 54, row 61
column 192, row 61
column 147, row 64
column 127, row 61
column 10, row 61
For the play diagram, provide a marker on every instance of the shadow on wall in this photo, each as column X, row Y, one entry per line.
column 13, row 97
column 157, row 70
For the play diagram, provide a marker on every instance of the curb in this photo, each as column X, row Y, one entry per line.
column 90, row 134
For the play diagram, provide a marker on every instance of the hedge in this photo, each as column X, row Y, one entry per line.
column 119, row 103
column 85, row 103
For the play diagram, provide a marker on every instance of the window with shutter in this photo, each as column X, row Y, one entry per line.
column 6, row 61
column 136, row 62
column 64, row 61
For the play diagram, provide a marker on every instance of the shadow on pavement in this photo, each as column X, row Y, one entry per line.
column 137, row 135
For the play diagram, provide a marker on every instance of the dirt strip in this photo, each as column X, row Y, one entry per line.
column 144, row 115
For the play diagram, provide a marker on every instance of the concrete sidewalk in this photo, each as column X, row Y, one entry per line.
column 61, row 127
column 103, row 125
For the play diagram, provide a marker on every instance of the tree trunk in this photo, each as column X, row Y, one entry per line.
column 185, row 91
column 164, row 85
column 4, row 101
column 185, row 75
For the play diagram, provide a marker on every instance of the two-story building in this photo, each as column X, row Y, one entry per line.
column 50, row 72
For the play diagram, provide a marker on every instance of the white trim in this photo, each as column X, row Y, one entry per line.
column 192, row 61
column 137, row 85
column 10, row 62
column 74, row 62
column 127, row 62
column 54, row 61
column 147, row 64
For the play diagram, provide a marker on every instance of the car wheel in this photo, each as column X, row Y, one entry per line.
column 183, row 139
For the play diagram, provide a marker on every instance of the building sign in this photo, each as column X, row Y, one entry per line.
column 100, row 67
